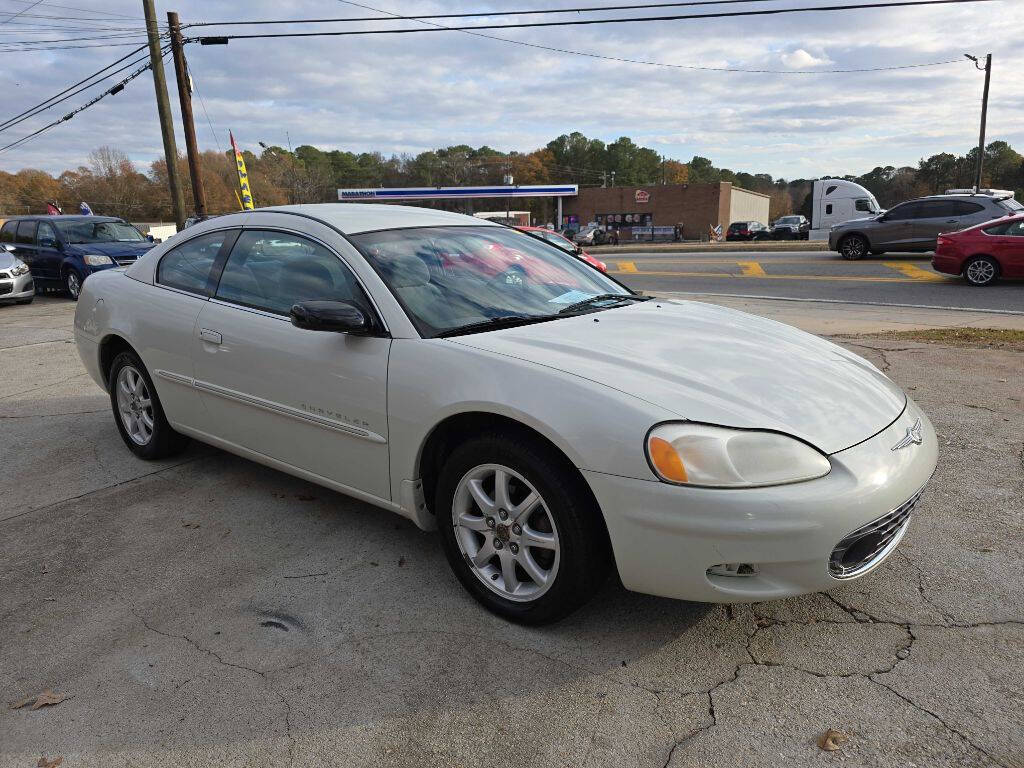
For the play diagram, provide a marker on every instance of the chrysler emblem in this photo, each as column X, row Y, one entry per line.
column 913, row 437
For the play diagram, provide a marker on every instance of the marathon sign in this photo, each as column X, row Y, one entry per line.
column 440, row 193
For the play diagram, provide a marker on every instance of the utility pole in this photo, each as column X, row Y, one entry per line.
column 984, row 116
column 185, row 97
column 163, row 108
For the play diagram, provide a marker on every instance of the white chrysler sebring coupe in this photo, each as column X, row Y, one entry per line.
column 551, row 423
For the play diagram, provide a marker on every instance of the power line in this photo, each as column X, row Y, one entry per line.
column 24, row 10
column 50, row 101
column 72, row 8
column 621, row 59
column 63, row 47
column 477, row 14
column 592, row 22
column 116, row 88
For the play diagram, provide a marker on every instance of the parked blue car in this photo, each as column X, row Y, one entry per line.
column 61, row 251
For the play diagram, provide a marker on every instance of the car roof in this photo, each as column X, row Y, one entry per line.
column 353, row 218
column 958, row 196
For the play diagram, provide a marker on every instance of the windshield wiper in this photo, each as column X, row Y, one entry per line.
column 493, row 323
column 594, row 300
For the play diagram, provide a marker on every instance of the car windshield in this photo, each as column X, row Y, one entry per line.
column 558, row 241
column 86, row 231
column 449, row 278
column 789, row 220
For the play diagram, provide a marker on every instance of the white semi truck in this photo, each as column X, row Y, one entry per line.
column 836, row 201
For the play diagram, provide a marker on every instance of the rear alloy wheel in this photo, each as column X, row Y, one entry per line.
column 137, row 410
column 981, row 271
column 73, row 284
column 853, row 247
column 520, row 529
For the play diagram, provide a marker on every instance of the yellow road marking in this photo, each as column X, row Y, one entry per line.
column 839, row 278
column 750, row 269
column 627, row 266
column 911, row 270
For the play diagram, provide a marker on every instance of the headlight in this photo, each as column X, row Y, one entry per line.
column 19, row 269
column 97, row 260
column 685, row 453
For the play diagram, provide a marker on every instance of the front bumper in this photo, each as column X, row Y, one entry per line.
column 665, row 537
column 17, row 288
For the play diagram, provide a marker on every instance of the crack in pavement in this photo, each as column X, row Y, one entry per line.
column 44, row 386
column 222, row 661
column 81, row 496
column 54, row 415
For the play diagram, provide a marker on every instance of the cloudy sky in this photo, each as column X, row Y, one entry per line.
column 408, row 93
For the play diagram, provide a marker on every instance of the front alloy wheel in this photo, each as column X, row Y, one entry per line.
column 520, row 527
column 73, row 284
column 505, row 532
column 853, row 247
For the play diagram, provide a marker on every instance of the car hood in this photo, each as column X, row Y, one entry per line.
column 8, row 260
column 715, row 365
column 856, row 222
column 113, row 250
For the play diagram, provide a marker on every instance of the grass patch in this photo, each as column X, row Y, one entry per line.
column 961, row 337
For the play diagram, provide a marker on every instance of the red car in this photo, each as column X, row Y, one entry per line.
column 565, row 244
column 983, row 253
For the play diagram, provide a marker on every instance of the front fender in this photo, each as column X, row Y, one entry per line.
column 598, row 428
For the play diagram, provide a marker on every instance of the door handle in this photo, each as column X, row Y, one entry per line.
column 952, row 221
column 211, row 336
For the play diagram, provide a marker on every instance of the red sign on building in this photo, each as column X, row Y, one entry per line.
column 642, row 196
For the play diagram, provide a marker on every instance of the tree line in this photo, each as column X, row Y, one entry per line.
column 112, row 185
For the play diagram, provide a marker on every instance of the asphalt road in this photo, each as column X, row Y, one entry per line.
column 207, row 611
column 888, row 279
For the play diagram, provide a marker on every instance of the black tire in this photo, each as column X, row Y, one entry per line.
column 163, row 441
column 854, row 247
column 981, row 271
column 73, row 283
column 584, row 556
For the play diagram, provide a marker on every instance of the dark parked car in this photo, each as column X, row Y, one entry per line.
column 747, row 230
column 916, row 224
column 61, row 251
column 791, row 228
column 983, row 253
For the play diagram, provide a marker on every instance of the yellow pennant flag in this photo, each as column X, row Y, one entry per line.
column 243, row 176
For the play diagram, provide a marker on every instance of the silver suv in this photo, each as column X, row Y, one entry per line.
column 916, row 224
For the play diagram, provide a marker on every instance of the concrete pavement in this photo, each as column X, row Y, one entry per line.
column 207, row 611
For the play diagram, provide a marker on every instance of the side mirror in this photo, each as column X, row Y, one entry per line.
column 334, row 316
column 151, row 238
column 49, row 242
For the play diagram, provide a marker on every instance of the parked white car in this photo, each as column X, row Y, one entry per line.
column 551, row 423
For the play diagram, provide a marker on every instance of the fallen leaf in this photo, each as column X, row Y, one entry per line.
column 832, row 740
column 45, row 699
column 44, row 763
column 401, row 562
column 189, row 524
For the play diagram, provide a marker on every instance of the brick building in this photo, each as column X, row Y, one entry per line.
column 696, row 206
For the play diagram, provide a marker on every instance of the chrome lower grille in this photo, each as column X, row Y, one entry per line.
column 867, row 546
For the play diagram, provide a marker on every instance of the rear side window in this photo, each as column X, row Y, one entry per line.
column 965, row 208
column 1007, row 229
column 273, row 271
column 7, row 233
column 189, row 266
column 26, row 233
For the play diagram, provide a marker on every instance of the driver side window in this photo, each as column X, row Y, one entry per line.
column 272, row 271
